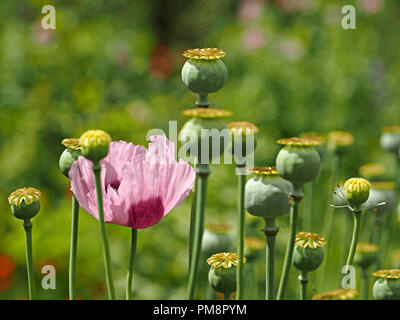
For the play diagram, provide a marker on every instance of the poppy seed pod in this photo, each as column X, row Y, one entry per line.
column 387, row 286
column 253, row 248
column 338, row 294
column 25, row 203
column 365, row 254
column 243, row 141
column 308, row 253
column 222, row 275
column 94, row 145
column 215, row 239
column 204, row 72
column 357, row 191
column 380, row 192
column 205, row 135
column 390, row 138
column 321, row 148
column 69, row 155
column 338, row 141
column 298, row 161
column 266, row 194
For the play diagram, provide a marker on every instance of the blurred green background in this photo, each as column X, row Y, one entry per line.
column 115, row 65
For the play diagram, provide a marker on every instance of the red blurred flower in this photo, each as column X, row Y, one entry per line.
column 250, row 10
column 161, row 62
column 371, row 6
column 7, row 266
column 254, row 39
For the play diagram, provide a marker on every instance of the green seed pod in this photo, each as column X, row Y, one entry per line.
column 357, row 191
column 254, row 248
column 390, row 139
column 338, row 294
column 365, row 254
column 243, row 141
column 94, row 145
column 25, row 203
column 387, row 286
column 215, row 239
column 298, row 161
column 339, row 141
column 308, row 253
column 205, row 135
column 222, row 275
column 204, row 72
column 382, row 191
column 321, row 148
column 266, row 194
column 69, row 155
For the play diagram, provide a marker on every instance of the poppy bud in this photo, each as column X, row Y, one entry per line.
column 357, row 191
column 94, row 145
column 25, row 203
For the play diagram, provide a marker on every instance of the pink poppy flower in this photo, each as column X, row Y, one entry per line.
column 140, row 186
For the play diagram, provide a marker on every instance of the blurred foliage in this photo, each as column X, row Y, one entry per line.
column 115, row 65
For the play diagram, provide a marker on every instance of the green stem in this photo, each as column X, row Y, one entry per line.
column 201, row 189
column 365, row 284
column 130, row 267
column 106, row 248
column 73, row 248
column 354, row 240
column 294, row 211
column 309, row 205
column 29, row 260
column 240, row 245
column 303, row 285
column 270, row 231
column 191, row 227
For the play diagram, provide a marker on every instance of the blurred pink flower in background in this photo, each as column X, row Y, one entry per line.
column 295, row 5
column 291, row 49
column 371, row 6
column 250, row 10
column 140, row 186
column 254, row 39
column 161, row 62
column 41, row 35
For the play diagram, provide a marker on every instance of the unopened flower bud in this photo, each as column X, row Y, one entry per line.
column 69, row 155
column 25, row 203
column 94, row 145
column 357, row 191
column 308, row 253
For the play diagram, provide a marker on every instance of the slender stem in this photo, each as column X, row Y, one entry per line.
column 303, row 285
column 73, row 248
column 294, row 211
column 192, row 219
column 227, row 296
column 309, row 205
column 29, row 260
column 106, row 248
column 365, row 284
column 201, row 189
column 354, row 240
column 130, row 267
column 270, row 267
column 240, row 245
